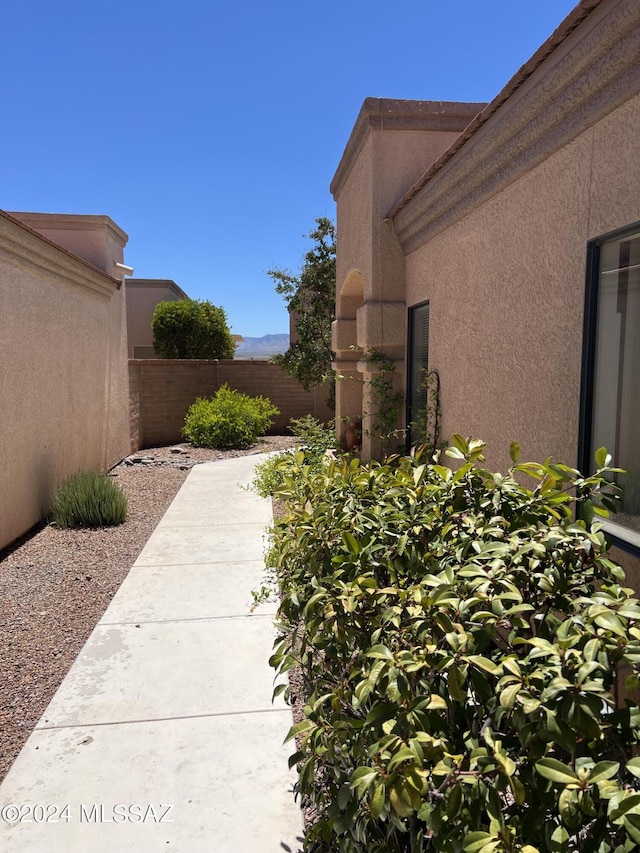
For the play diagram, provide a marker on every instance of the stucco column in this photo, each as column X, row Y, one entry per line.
column 348, row 379
column 380, row 332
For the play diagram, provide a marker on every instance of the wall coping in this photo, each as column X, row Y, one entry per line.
column 72, row 222
column 395, row 114
column 22, row 246
column 158, row 282
column 587, row 68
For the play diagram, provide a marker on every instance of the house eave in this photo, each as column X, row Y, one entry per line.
column 584, row 70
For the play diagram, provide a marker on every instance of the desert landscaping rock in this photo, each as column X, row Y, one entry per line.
column 56, row 584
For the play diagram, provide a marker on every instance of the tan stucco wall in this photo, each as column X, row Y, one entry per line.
column 506, row 291
column 142, row 297
column 64, row 381
column 384, row 157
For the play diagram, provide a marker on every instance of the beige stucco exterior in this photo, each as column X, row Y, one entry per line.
column 64, row 385
column 387, row 151
column 506, row 325
column 143, row 294
column 493, row 233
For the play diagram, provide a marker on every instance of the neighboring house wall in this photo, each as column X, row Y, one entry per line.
column 143, row 294
column 494, row 237
column 64, row 384
column 163, row 389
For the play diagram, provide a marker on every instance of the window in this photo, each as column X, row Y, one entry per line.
column 418, row 367
column 610, row 405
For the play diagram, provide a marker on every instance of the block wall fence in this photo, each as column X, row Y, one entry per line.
column 63, row 382
column 161, row 391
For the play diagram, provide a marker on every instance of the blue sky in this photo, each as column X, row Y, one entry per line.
column 210, row 131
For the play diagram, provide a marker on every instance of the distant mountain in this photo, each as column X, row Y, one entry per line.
column 262, row 348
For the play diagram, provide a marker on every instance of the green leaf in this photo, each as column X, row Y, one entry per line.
column 475, row 841
column 603, row 770
column 454, row 683
column 633, row 766
column 508, row 696
column 556, row 771
column 377, row 800
column 298, row 729
column 352, row 544
column 380, row 651
column 362, row 779
column 559, row 840
column 587, row 512
column 603, row 459
column 632, row 826
column 483, row 663
column 620, row 806
column 400, row 802
column 514, row 452
column 609, row 621
column 404, row 754
column 296, row 758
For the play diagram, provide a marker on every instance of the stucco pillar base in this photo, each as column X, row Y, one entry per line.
column 348, row 394
column 379, row 437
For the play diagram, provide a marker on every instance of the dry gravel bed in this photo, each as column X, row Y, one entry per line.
column 56, row 584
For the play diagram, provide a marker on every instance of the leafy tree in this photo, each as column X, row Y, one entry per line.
column 311, row 296
column 191, row 328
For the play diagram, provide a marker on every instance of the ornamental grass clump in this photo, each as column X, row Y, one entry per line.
column 89, row 499
column 467, row 649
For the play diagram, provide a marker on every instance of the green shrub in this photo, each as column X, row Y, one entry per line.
column 89, row 499
column 191, row 328
column 315, row 440
column 229, row 419
column 460, row 638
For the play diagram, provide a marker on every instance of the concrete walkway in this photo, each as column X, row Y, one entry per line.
column 163, row 736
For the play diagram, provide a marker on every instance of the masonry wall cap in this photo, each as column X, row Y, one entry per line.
column 401, row 115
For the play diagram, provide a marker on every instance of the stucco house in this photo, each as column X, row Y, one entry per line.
column 143, row 294
column 500, row 246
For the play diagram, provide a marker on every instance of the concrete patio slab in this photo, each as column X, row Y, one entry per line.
column 227, row 792
column 169, row 703
column 205, row 590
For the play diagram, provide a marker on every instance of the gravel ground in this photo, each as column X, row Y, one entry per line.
column 56, row 584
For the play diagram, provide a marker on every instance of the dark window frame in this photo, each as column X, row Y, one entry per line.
column 411, row 323
column 587, row 382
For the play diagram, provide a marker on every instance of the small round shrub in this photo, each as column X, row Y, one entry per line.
column 89, row 499
column 228, row 420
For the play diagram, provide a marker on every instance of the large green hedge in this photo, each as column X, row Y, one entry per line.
column 191, row 328
column 461, row 639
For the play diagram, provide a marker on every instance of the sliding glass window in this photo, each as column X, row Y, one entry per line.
column 611, row 370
